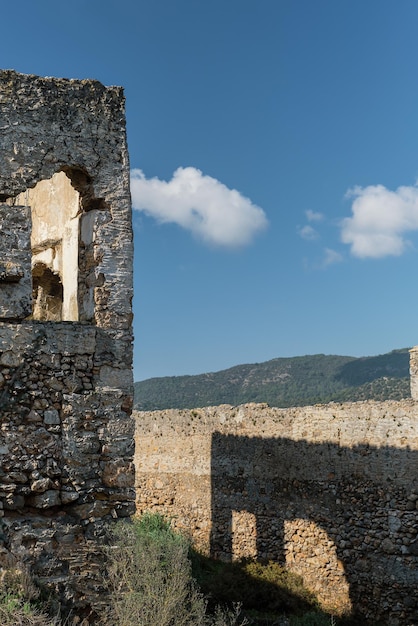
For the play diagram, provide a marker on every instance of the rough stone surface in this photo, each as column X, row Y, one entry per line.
column 326, row 490
column 66, row 432
column 413, row 370
column 15, row 269
column 50, row 125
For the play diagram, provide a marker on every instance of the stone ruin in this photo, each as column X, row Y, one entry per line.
column 66, row 439
column 329, row 491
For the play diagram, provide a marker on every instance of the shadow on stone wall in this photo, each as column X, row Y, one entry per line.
column 344, row 518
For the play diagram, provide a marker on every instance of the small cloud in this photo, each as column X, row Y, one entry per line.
column 308, row 233
column 199, row 203
column 312, row 216
column 380, row 220
column 331, row 257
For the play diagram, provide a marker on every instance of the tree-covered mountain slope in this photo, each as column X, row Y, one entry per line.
column 283, row 382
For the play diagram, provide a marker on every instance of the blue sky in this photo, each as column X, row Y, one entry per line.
column 309, row 111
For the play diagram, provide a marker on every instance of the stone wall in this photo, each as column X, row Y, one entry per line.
column 331, row 491
column 77, row 127
column 413, row 371
column 66, row 436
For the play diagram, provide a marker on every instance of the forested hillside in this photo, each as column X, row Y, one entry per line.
column 284, row 382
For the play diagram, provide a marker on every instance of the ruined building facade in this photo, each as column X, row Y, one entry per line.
column 66, row 438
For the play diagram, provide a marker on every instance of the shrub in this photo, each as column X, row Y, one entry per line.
column 150, row 578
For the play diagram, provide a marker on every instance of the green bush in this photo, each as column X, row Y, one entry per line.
column 150, row 578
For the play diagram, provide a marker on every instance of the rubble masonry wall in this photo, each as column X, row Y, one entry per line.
column 331, row 491
column 66, row 431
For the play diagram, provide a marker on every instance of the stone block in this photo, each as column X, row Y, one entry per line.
column 45, row 500
column 51, row 417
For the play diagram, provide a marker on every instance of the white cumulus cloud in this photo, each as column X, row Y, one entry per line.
column 380, row 220
column 200, row 204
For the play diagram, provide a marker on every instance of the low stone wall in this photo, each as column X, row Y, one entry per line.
column 331, row 491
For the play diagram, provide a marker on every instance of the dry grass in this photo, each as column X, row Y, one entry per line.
column 19, row 599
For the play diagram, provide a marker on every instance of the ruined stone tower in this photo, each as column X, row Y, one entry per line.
column 66, row 439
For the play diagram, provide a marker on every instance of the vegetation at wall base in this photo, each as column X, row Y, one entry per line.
column 283, row 382
column 150, row 579
column 270, row 594
column 155, row 577
column 268, row 587
column 20, row 603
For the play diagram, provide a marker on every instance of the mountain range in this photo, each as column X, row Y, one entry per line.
column 283, row 382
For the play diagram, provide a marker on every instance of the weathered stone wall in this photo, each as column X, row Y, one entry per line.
column 331, row 491
column 15, row 267
column 66, row 436
column 66, row 444
column 413, row 371
column 49, row 125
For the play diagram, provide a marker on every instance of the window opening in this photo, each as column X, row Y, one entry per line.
column 55, row 209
